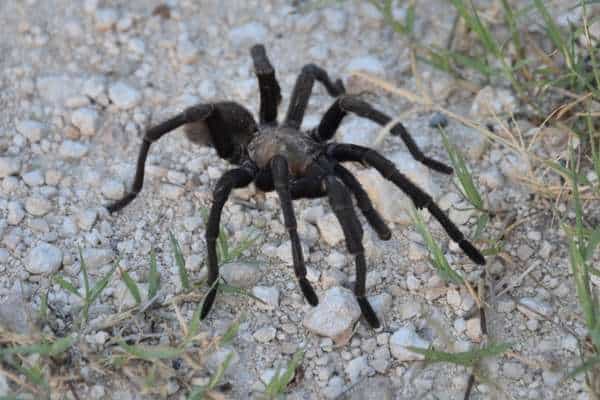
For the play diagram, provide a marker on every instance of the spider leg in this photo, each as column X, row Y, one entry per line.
column 279, row 167
column 345, row 104
column 363, row 202
column 234, row 178
column 342, row 206
column 350, row 152
column 270, row 92
column 223, row 125
column 303, row 89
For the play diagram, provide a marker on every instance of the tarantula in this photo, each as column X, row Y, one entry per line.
column 296, row 165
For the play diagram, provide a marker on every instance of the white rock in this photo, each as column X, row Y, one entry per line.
column 533, row 307
column 192, row 223
column 15, row 213
column 95, row 87
column 335, row 259
column 106, row 18
column 248, row 34
column 335, row 19
column 240, row 274
column 490, row 101
column 86, row 120
column 367, row 64
column 335, row 315
column 381, row 360
column 70, row 149
column 407, row 337
column 335, row 388
column 268, row 294
column 356, row 368
column 113, row 189
column 265, row 335
column 95, row 258
column 44, row 259
column 492, row 178
column 330, row 229
column 284, row 252
column 381, row 303
column 38, row 206
column 86, row 219
column 172, row 192
column 32, row 130
column 474, row 331
column 33, row 178
column 187, row 53
column 56, row 89
column 9, row 166
column 513, row 370
column 124, row 96
column 69, row 227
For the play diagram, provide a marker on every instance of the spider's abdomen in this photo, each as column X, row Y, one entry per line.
column 297, row 148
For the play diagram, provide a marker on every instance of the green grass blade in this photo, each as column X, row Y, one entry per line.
column 462, row 173
column 86, row 278
column 179, row 260
column 154, row 277
column 68, row 286
column 466, row 358
column 151, row 353
column 216, row 378
column 435, row 252
column 131, row 285
column 101, row 284
column 584, row 367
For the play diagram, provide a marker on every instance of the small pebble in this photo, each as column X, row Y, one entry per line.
column 44, row 259
column 86, row 120
column 32, row 130
column 38, row 206
column 70, row 149
column 124, row 96
column 113, row 189
column 407, row 337
column 438, row 120
column 9, row 166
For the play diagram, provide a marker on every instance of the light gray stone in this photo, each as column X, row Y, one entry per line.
column 356, row 368
column 124, row 96
column 86, row 120
column 407, row 337
column 9, row 166
column 43, row 259
column 240, row 274
column 265, row 334
column 533, row 307
column 268, row 294
column 86, row 219
column 113, row 189
column 105, row 18
column 32, row 130
column 95, row 258
column 367, row 64
column 335, row 315
column 248, row 34
column 38, row 206
column 15, row 213
column 33, row 178
column 330, row 229
column 70, row 149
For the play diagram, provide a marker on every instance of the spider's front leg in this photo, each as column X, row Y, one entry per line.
column 223, row 125
column 303, row 90
column 279, row 168
column 234, row 178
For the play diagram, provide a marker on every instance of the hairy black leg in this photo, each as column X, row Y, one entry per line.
column 270, row 92
column 345, row 104
column 192, row 114
column 303, row 89
column 340, row 201
column 349, row 152
column 279, row 166
column 234, row 178
column 363, row 202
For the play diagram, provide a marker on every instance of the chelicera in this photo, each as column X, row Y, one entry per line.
column 297, row 164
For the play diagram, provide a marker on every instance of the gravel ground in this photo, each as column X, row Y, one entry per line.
column 82, row 80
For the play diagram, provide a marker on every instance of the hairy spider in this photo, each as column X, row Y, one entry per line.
column 296, row 165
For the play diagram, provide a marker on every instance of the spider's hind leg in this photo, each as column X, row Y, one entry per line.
column 339, row 197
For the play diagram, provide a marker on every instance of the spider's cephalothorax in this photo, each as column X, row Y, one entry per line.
column 297, row 165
